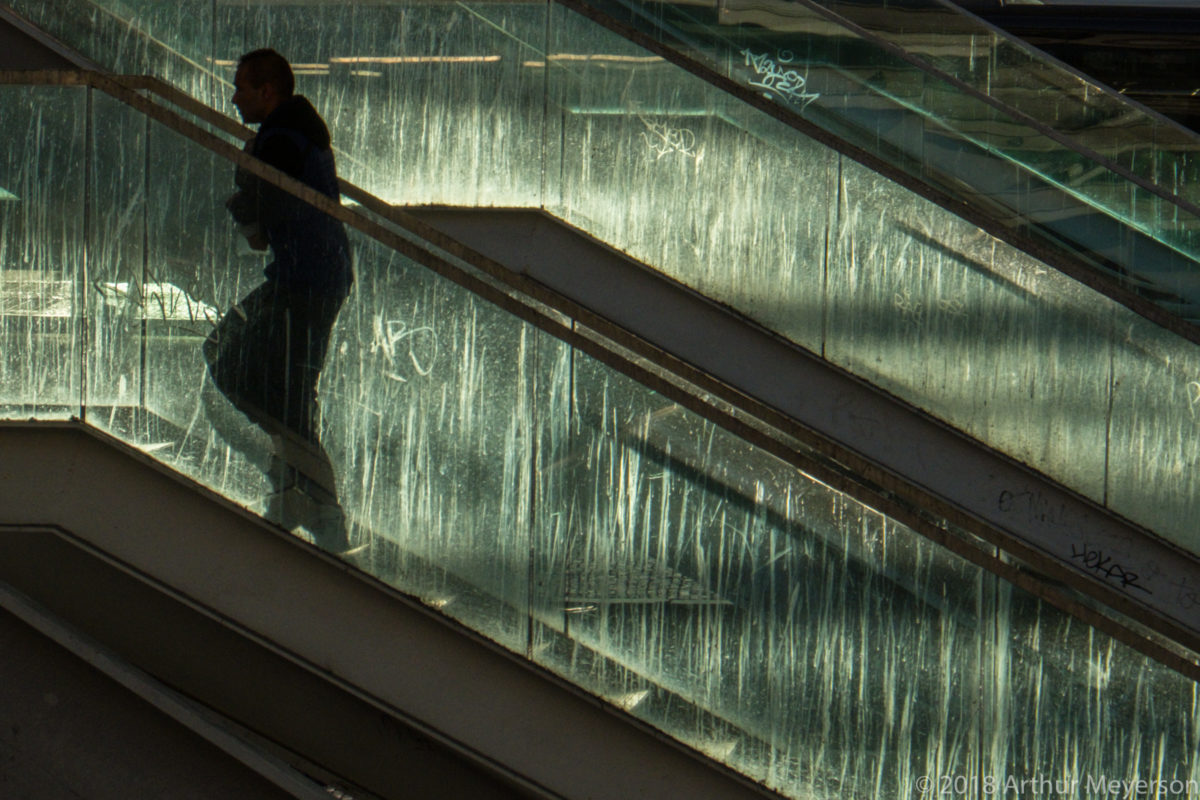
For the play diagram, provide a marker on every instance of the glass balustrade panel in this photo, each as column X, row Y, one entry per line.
column 432, row 406
column 428, row 104
column 439, row 104
column 1068, row 726
column 681, row 177
column 43, row 257
column 952, row 320
column 172, row 41
column 1153, row 441
column 123, row 302
column 810, row 643
column 577, row 517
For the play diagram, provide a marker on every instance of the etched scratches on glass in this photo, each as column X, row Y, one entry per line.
column 744, row 221
column 975, row 332
column 1154, row 443
column 776, row 75
column 169, row 40
column 731, row 601
column 1193, row 391
column 119, row 297
column 42, row 251
column 425, row 104
column 1050, row 662
column 428, row 402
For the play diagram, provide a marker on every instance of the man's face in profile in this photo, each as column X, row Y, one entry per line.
column 254, row 103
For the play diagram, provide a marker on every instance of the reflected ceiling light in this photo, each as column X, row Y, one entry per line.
column 6, row 195
column 614, row 59
column 415, row 60
column 310, row 69
column 603, row 57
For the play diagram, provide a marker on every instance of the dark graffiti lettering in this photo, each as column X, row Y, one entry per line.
column 1098, row 562
column 1034, row 506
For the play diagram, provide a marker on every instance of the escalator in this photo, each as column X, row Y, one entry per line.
column 1144, row 51
column 946, row 291
column 516, row 477
column 938, row 100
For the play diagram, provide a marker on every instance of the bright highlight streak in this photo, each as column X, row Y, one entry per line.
column 415, row 60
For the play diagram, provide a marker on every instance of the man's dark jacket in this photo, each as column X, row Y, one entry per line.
column 310, row 248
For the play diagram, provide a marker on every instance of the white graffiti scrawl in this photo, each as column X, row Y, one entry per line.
column 663, row 139
column 774, row 76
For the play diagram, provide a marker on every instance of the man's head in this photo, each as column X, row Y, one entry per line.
column 263, row 80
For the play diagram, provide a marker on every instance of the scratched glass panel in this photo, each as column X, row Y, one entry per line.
column 726, row 598
column 194, row 268
column 682, row 177
column 169, row 40
column 953, row 321
column 431, row 401
column 1075, row 707
column 730, row 601
column 118, row 291
column 1154, row 444
column 43, row 186
column 427, row 103
column 1070, row 176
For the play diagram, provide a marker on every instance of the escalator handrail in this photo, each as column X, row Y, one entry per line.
column 1006, row 109
column 1061, row 258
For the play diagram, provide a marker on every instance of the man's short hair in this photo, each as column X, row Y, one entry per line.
column 267, row 66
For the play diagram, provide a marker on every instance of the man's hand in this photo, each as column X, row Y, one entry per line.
column 254, row 235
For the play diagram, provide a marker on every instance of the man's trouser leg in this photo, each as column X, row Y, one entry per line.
column 266, row 358
column 234, row 345
column 310, row 323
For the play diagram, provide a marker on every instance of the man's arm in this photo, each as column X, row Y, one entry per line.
column 244, row 205
column 258, row 204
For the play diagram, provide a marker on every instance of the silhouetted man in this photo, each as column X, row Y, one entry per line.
column 267, row 352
